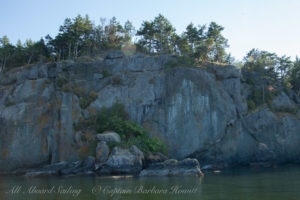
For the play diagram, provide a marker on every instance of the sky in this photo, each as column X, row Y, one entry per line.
column 271, row 25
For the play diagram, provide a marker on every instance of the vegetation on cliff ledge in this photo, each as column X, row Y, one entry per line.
column 116, row 119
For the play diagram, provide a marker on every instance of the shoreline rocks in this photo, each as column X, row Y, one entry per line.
column 130, row 161
column 123, row 161
column 172, row 167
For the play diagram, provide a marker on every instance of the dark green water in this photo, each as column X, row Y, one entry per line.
column 241, row 184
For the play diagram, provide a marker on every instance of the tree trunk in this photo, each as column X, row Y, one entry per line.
column 160, row 42
column 4, row 63
column 29, row 59
column 69, row 50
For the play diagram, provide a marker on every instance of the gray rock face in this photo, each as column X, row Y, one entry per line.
column 186, row 167
column 151, row 158
column 108, row 136
column 102, row 151
column 195, row 112
column 283, row 103
column 123, row 161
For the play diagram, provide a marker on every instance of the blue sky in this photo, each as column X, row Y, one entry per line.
column 272, row 25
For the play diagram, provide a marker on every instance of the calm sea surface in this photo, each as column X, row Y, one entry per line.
column 244, row 183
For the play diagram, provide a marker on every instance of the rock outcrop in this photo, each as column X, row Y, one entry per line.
column 196, row 112
column 171, row 167
column 123, row 161
column 108, row 137
column 102, row 152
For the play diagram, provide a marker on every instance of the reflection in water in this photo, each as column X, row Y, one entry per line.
column 245, row 183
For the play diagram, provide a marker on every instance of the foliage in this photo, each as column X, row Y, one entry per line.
column 260, row 96
column 116, row 119
column 293, row 76
column 157, row 35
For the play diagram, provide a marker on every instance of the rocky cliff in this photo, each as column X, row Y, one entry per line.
column 198, row 112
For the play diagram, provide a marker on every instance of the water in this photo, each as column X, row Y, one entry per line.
column 240, row 184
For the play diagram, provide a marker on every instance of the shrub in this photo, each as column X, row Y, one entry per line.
column 116, row 119
column 259, row 97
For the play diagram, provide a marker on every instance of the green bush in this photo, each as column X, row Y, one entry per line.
column 116, row 119
column 259, row 97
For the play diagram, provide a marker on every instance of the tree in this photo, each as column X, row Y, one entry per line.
column 163, row 32
column 147, row 40
column 195, row 37
column 6, row 51
column 294, row 76
column 216, row 43
column 129, row 31
column 157, row 35
column 284, row 65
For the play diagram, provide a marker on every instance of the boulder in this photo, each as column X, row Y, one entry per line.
column 151, row 158
column 79, row 167
column 102, row 151
column 171, row 167
column 114, row 55
column 123, row 161
column 57, row 166
column 264, row 154
column 108, row 136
